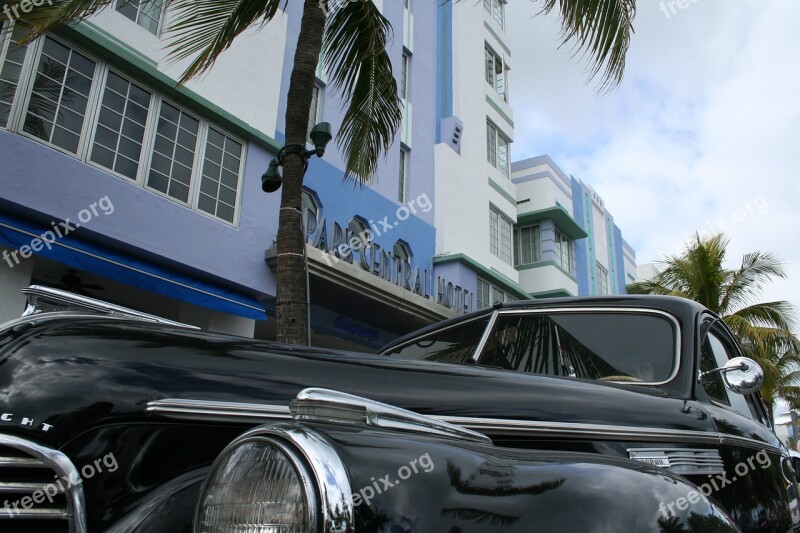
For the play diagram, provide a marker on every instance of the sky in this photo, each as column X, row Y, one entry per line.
column 702, row 135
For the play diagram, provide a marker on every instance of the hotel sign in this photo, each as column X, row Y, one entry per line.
column 355, row 243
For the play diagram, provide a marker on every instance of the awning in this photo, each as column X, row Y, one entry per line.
column 81, row 255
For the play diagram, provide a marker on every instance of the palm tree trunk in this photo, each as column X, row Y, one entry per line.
column 291, row 307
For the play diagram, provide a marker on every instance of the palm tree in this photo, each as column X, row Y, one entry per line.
column 351, row 36
column 763, row 328
column 779, row 356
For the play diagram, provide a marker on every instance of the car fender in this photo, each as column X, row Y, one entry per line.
column 405, row 481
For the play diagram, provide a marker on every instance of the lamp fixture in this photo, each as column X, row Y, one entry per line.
column 320, row 135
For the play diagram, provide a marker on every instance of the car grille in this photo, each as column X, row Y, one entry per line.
column 28, row 470
column 683, row 461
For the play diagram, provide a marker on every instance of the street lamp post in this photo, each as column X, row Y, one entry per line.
column 272, row 180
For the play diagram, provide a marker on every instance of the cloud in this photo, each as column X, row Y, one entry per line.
column 702, row 135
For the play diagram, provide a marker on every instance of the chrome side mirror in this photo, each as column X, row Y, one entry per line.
column 741, row 375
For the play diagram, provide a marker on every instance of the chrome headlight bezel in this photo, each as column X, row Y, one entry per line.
column 321, row 471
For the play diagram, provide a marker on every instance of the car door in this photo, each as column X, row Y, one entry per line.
column 755, row 483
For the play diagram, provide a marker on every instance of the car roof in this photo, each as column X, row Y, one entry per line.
column 673, row 304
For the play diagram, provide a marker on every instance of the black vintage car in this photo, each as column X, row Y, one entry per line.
column 604, row 414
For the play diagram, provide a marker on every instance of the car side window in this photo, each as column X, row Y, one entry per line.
column 622, row 347
column 714, row 354
column 450, row 345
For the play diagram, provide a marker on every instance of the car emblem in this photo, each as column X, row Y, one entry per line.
column 655, row 458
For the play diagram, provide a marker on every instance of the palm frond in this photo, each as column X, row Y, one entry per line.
column 600, row 28
column 779, row 315
column 207, row 28
column 47, row 16
column 745, row 284
column 354, row 51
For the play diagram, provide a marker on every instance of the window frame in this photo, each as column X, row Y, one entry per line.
column 402, row 178
column 495, row 8
column 674, row 323
column 404, row 82
column 201, row 139
column 492, row 59
column 315, row 109
column 161, row 15
column 757, row 410
column 563, row 243
column 493, row 290
column 535, row 244
column 7, row 29
column 33, row 56
column 498, row 222
column 494, row 138
column 602, row 277
column 145, row 152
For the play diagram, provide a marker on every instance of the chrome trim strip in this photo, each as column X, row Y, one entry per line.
column 20, row 486
column 602, row 431
column 61, row 464
column 593, row 431
column 233, row 412
column 21, row 462
column 485, row 336
column 217, row 411
column 735, row 440
column 60, row 297
column 324, row 405
column 618, row 310
column 36, row 514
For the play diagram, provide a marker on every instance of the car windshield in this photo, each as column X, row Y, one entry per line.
column 455, row 344
column 609, row 346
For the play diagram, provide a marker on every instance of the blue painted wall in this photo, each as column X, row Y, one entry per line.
column 54, row 186
column 581, row 245
column 423, row 99
column 621, row 282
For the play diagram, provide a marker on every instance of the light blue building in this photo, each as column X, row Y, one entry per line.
column 566, row 242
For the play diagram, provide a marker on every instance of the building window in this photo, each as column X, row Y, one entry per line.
column 172, row 162
column 563, row 251
column 60, row 94
column 496, row 148
column 402, row 182
column 500, row 235
column 11, row 58
column 120, row 126
column 602, row 279
column 488, row 294
column 496, row 9
column 84, row 108
column 315, row 112
column 491, row 144
column 403, row 87
column 145, row 13
column 220, row 181
column 527, row 245
column 496, row 74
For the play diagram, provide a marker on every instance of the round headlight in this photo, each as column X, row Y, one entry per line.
column 258, row 485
